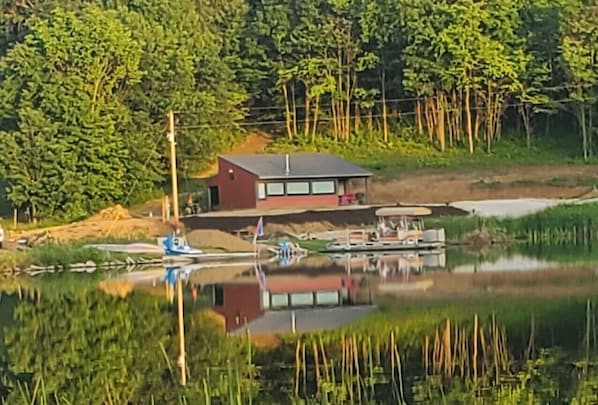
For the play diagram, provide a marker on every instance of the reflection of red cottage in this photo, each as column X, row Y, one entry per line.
column 292, row 180
column 242, row 301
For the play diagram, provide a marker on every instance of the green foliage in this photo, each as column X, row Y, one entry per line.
column 115, row 349
column 85, row 90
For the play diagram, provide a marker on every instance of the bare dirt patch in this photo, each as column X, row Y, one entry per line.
column 219, row 240
column 440, row 186
column 116, row 222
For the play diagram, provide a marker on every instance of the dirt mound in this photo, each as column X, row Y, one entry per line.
column 217, row 239
column 112, row 213
column 484, row 238
column 589, row 195
column 132, row 228
column 297, row 229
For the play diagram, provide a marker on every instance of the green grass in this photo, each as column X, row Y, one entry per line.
column 60, row 255
column 409, row 152
column 313, row 245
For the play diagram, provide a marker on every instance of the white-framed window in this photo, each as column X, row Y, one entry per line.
column 298, row 188
column 261, row 191
column 275, row 189
column 322, row 187
column 302, row 299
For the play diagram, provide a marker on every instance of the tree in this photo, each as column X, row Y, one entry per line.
column 579, row 51
column 63, row 89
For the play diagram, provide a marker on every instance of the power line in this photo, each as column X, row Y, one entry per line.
column 364, row 117
column 378, row 100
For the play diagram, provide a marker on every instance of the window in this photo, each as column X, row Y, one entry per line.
column 275, row 188
column 327, row 298
column 279, row 300
column 298, row 188
column 302, row 299
column 261, row 191
column 322, row 187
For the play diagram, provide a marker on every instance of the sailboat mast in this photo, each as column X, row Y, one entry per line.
column 173, row 180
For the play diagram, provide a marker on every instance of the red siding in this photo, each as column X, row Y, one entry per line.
column 234, row 194
column 242, row 301
column 300, row 201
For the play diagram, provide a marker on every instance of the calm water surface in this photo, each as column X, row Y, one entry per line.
column 113, row 337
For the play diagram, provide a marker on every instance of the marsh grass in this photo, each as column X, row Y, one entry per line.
column 474, row 357
column 559, row 225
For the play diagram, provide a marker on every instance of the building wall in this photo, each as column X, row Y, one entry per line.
column 242, row 302
column 234, row 194
column 301, row 201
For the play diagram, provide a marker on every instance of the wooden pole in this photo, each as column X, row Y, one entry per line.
column 14, row 218
column 293, row 322
column 182, row 361
column 174, row 181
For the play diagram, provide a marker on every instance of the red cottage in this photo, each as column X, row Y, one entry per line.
column 301, row 180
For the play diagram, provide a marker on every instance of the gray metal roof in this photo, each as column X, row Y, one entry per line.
column 301, row 166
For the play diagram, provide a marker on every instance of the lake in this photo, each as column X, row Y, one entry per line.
column 511, row 325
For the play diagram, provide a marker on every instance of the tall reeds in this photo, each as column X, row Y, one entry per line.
column 466, row 352
column 363, row 363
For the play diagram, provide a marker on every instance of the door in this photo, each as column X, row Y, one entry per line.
column 214, row 197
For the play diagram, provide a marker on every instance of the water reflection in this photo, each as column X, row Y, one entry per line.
column 76, row 338
column 242, row 293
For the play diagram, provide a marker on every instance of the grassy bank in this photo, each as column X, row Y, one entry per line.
column 411, row 152
column 58, row 255
column 563, row 224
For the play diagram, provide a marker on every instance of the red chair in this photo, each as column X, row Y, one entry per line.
column 346, row 199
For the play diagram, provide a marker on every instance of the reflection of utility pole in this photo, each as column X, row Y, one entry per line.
column 173, row 180
column 182, row 363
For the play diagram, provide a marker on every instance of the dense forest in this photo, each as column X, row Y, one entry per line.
column 86, row 85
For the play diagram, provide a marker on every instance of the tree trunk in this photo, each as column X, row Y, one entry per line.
column 468, row 120
column 418, row 117
column 339, row 107
column 430, row 122
column 287, row 111
column 294, row 99
column 315, row 119
column 525, row 111
column 349, row 85
column 584, row 135
column 357, row 121
column 589, row 135
column 384, row 109
column 441, row 131
column 306, row 124
column 33, row 215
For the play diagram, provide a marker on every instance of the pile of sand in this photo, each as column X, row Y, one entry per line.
column 297, row 229
column 213, row 238
column 112, row 213
column 132, row 228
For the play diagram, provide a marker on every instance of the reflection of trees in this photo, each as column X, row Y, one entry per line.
column 97, row 348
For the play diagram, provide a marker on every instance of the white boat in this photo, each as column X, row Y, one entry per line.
column 398, row 228
column 177, row 246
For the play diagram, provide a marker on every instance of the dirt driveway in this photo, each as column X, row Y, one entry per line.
column 440, row 186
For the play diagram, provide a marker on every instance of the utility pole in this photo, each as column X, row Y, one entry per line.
column 182, row 362
column 173, row 180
